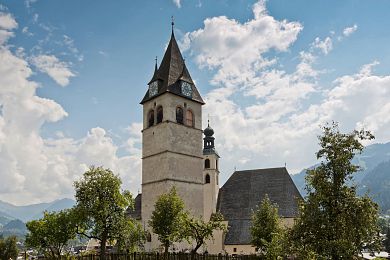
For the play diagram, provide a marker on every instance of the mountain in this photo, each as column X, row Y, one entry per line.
column 377, row 184
column 4, row 218
column 14, row 228
column 34, row 211
column 374, row 177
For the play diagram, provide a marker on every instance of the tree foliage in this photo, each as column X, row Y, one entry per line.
column 334, row 223
column 8, row 248
column 101, row 206
column 168, row 218
column 198, row 230
column 266, row 230
column 132, row 236
column 51, row 233
column 386, row 242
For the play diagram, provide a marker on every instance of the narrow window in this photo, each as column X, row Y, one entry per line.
column 207, row 179
column 189, row 118
column 216, row 164
column 179, row 115
column 149, row 237
column 159, row 114
column 207, row 163
column 151, row 118
column 235, row 249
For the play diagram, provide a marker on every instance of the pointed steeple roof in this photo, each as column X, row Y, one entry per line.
column 171, row 72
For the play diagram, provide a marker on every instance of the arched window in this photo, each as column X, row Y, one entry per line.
column 207, row 179
column 189, row 118
column 179, row 115
column 207, row 163
column 151, row 118
column 159, row 114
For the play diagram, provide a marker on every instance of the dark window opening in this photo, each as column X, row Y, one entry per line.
column 216, row 164
column 179, row 115
column 151, row 118
column 159, row 115
column 149, row 237
column 207, row 163
column 235, row 249
column 207, row 179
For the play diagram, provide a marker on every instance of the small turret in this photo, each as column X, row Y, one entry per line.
column 208, row 147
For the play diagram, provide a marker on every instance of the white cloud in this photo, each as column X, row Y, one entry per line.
column 235, row 49
column 177, row 3
column 58, row 70
column 36, row 169
column 280, row 125
column 349, row 30
column 325, row 45
column 7, row 23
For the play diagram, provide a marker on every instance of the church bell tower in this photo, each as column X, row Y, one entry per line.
column 172, row 137
column 210, row 173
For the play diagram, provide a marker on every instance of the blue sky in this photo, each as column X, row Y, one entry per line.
column 72, row 74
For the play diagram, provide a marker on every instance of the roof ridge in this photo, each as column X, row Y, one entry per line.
column 251, row 170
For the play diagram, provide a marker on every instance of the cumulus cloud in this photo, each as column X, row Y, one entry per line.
column 58, row 70
column 262, row 112
column 235, row 49
column 36, row 169
column 349, row 30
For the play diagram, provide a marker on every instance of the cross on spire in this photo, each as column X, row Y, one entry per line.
column 172, row 22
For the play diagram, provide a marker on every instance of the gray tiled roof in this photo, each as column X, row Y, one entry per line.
column 244, row 190
column 172, row 70
column 136, row 212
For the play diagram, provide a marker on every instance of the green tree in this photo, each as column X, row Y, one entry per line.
column 196, row 229
column 168, row 218
column 266, row 226
column 51, row 233
column 334, row 223
column 132, row 236
column 8, row 248
column 279, row 245
column 386, row 242
column 101, row 206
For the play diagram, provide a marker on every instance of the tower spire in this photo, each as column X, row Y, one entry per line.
column 172, row 24
column 155, row 66
column 171, row 72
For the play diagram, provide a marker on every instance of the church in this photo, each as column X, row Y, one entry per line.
column 177, row 152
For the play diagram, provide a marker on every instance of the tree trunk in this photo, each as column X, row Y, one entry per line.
column 103, row 242
column 166, row 246
column 198, row 245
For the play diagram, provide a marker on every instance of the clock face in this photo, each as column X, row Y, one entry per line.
column 186, row 89
column 153, row 89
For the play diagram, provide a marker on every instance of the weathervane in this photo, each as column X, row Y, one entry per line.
column 172, row 22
